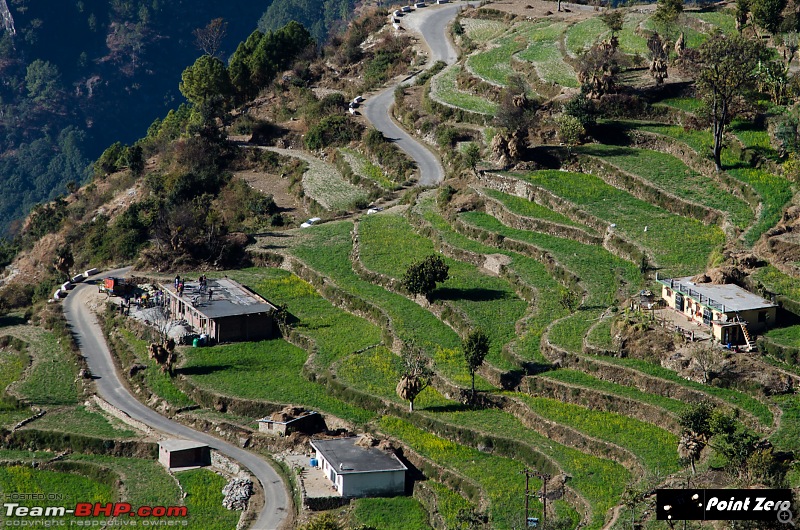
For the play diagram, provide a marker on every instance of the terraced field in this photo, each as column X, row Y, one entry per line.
column 545, row 281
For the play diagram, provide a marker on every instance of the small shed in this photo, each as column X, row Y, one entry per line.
column 357, row 471
column 289, row 420
column 174, row 453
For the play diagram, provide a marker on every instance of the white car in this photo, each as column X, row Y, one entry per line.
column 374, row 210
column 310, row 222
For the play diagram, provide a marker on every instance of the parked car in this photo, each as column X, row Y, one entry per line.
column 310, row 222
column 376, row 209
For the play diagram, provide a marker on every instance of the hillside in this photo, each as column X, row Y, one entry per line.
column 582, row 186
column 81, row 75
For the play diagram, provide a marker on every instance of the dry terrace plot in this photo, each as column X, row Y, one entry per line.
column 323, row 182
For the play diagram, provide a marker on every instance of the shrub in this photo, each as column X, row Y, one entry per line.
column 332, row 131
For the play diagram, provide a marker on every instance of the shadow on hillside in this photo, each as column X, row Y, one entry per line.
column 454, row 407
column 473, row 294
column 12, row 320
column 203, row 370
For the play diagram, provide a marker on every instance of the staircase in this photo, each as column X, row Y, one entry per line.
column 750, row 343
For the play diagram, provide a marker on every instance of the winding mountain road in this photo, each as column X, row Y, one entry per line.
column 431, row 22
column 109, row 386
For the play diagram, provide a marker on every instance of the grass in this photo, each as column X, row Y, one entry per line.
column 19, row 454
column 575, row 377
column 787, row 437
column 527, row 208
column 444, row 89
column 775, row 191
column 679, row 244
column 411, row 322
column 734, row 397
column 449, row 504
column 397, row 513
column 481, row 30
column 73, row 487
column 582, row 35
column 323, row 183
column 203, row 500
column 600, row 335
column 568, row 333
column 654, row 447
column 533, row 273
column 389, row 245
column 721, row 19
column 601, row 481
column 268, row 370
column 498, row 476
column 690, row 105
column 754, row 138
column 671, row 174
column 157, row 381
column 599, row 270
column 336, row 332
column 147, row 482
column 80, row 420
column 630, row 41
column 788, row 336
column 494, row 65
column 52, row 378
column 366, row 169
column 546, row 56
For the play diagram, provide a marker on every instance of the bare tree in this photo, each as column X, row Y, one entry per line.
column 417, row 374
column 708, row 359
column 209, row 38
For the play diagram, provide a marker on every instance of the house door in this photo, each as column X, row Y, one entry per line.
column 679, row 301
column 708, row 316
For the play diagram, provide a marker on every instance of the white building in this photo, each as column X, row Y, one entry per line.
column 358, row 471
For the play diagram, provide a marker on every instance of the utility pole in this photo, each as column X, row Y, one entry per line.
column 544, row 477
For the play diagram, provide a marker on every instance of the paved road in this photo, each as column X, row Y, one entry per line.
column 93, row 346
column 432, row 23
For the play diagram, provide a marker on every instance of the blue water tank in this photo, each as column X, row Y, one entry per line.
column 313, row 462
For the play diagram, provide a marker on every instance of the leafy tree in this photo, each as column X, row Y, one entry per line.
column 582, row 109
column 696, row 418
column 421, row 277
column 726, row 70
column 613, row 19
column 332, row 131
column 570, row 130
column 475, row 347
column 768, row 14
column 416, row 374
column 742, row 13
column 43, row 82
column 732, row 439
column 209, row 38
column 206, row 79
column 667, row 14
column 472, row 155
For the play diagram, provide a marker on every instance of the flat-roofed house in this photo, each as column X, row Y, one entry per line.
column 223, row 309
column 175, row 453
column 732, row 313
column 357, row 471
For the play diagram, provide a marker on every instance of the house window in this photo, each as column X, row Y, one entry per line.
column 669, row 293
column 762, row 316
